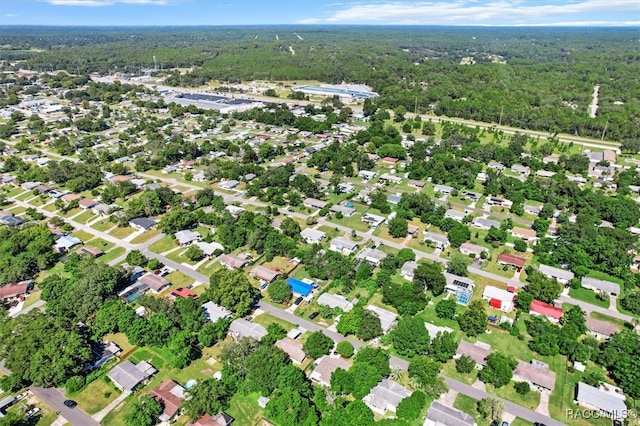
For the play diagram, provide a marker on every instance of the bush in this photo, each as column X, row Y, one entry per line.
column 522, row 388
column 154, row 264
column 465, row 364
column 74, row 384
column 520, row 245
column 446, row 308
column 412, row 407
column 345, row 349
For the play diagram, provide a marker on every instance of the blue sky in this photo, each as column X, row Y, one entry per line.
column 336, row 12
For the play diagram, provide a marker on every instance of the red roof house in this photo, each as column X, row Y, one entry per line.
column 170, row 395
column 541, row 308
column 8, row 291
column 512, row 260
column 185, row 293
column 390, row 160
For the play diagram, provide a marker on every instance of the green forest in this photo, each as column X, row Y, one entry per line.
column 534, row 78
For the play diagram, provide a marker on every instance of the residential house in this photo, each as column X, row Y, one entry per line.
column 335, row 301
column 602, row 330
column 127, row 375
column 443, row 189
column 372, row 256
column 65, row 243
column 170, row 395
column 213, row 312
column 440, row 241
column 408, row 269
column 293, row 348
column 499, row 298
column 413, row 230
column 528, row 235
column 324, row 368
column 563, row 276
column 390, row 160
column 186, row 237
column 220, row 419
column 541, row 308
column 264, row 274
column 185, row 293
column 498, row 202
column 343, row 245
column 545, row 173
column 456, row 283
column 435, row 329
column 143, row 223
column 234, row 210
column 483, row 223
column 101, row 209
column 473, row 196
column 312, row 236
column 455, row 215
column 155, row 282
column 393, row 198
column 537, row 374
column 68, row 198
column 523, row 171
column 90, row 251
column 314, row 203
column 442, row 415
column 496, row 166
column 511, row 260
column 534, row 210
column 241, row 328
column 11, row 290
column 364, row 195
column 418, row 184
column 608, row 287
column 232, row 261
column 387, row 318
column 386, row 177
column 345, row 188
column 372, row 220
column 386, row 396
column 367, row 175
column 551, row 159
column 346, row 211
column 87, row 203
column 103, row 352
column 608, row 403
column 209, row 249
column 472, row 249
column 229, row 184
column 478, row 352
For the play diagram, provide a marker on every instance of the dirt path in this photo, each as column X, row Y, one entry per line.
column 594, row 104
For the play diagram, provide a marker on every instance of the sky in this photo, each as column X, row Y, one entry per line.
column 321, row 12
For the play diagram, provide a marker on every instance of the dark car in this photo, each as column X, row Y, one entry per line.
column 298, row 301
column 313, row 315
column 617, row 423
column 69, row 403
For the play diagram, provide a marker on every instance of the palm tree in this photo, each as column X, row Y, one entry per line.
column 397, row 374
column 414, row 383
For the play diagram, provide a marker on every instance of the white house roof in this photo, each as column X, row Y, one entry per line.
column 550, row 271
column 606, row 286
column 344, row 244
column 387, row 318
column 491, row 292
column 186, row 236
column 441, row 415
column 386, row 394
column 209, row 248
column 243, row 328
column 335, row 301
column 312, row 234
column 127, row 375
column 372, row 254
column 213, row 312
column 603, row 400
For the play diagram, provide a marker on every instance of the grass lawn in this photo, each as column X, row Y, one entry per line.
column 33, row 297
column 164, row 244
column 116, row 416
column 353, row 222
column 38, row 201
column 508, row 392
column 178, row 279
column 97, row 395
column 50, row 207
column 15, row 192
column 470, row 406
column 331, row 232
column 449, row 370
column 491, row 266
column 84, row 217
column 121, row 340
column 102, row 244
column 605, row 277
column 520, row 422
column 265, row 319
column 146, row 236
column 383, row 232
column 208, row 268
column 113, row 254
column 23, row 196
column 47, row 415
column 103, row 225
column 420, row 245
column 84, row 236
column 71, row 212
column 177, row 256
column 245, row 409
column 122, row 232
column 16, row 210
column 588, row 296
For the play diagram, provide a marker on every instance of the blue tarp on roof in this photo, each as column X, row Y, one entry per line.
column 300, row 287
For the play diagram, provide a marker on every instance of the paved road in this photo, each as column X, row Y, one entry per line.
column 54, row 399
column 512, row 408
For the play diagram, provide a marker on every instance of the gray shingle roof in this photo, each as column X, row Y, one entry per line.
column 440, row 414
column 603, row 400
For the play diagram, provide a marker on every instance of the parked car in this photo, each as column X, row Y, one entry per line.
column 298, row 301
column 70, row 403
column 313, row 315
column 23, row 395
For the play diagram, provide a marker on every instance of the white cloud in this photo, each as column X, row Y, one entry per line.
column 474, row 12
column 94, row 3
